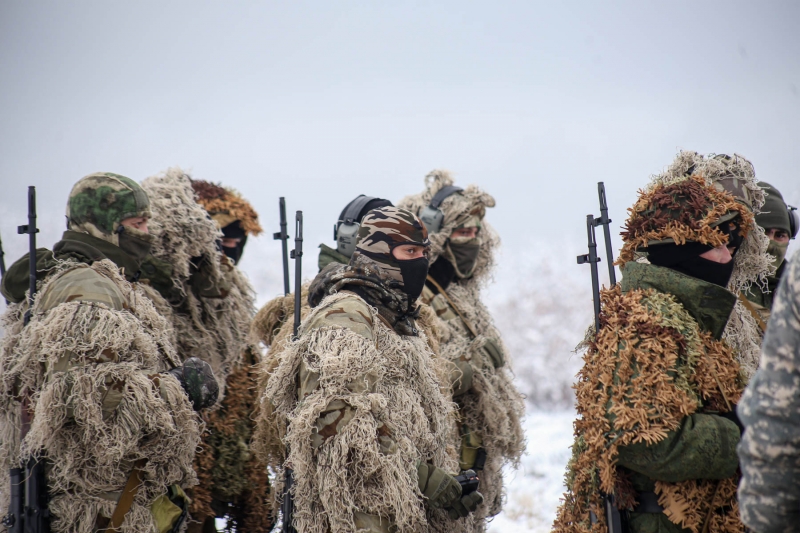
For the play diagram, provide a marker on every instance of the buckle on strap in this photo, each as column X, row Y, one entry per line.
column 647, row 502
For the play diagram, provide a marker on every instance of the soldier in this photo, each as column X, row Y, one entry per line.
column 655, row 397
column 462, row 256
column 780, row 225
column 369, row 426
column 212, row 304
column 112, row 407
column 769, row 492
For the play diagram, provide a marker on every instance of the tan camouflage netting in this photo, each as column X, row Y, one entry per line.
column 496, row 407
column 91, row 456
column 215, row 330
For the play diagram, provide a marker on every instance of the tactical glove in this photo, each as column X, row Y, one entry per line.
column 197, row 379
column 491, row 348
column 443, row 491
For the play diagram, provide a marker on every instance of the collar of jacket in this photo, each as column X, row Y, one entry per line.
column 328, row 255
column 710, row 305
column 88, row 249
column 368, row 283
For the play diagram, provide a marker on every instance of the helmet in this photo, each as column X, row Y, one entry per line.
column 99, row 202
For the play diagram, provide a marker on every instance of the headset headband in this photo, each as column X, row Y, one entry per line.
column 442, row 195
column 354, row 208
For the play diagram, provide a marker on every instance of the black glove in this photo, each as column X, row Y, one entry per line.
column 197, row 379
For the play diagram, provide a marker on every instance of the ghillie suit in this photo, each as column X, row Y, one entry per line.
column 369, row 428
column 753, row 265
column 656, row 394
column 489, row 405
column 774, row 215
column 92, row 365
column 212, row 305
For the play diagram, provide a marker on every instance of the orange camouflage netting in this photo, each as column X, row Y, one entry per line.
column 682, row 211
column 228, row 205
column 669, row 369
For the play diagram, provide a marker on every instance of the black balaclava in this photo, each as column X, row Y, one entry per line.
column 234, row 230
column 686, row 259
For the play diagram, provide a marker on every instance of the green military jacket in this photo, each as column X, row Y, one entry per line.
column 704, row 446
column 328, row 255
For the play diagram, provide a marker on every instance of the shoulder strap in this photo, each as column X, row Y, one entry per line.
column 761, row 324
column 125, row 501
column 454, row 306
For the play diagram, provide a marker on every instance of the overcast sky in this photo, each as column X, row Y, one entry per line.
column 321, row 101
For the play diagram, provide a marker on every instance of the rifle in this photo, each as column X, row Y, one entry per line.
column 287, row 506
column 606, row 222
column 2, row 262
column 283, row 237
column 28, row 511
column 614, row 519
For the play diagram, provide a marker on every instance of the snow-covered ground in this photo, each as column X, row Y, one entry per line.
column 533, row 491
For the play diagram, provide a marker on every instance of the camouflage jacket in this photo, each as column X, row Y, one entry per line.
column 650, row 396
column 769, row 493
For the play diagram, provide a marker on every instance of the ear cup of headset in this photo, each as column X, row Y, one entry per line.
column 794, row 222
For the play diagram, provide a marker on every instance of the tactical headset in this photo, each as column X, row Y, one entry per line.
column 794, row 221
column 345, row 231
column 431, row 215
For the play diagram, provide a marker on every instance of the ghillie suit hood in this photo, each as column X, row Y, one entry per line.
column 349, row 471
column 212, row 304
column 752, row 265
column 650, row 342
column 91, row 368
column 457, row 208
column 234, row 215
column 493, row 408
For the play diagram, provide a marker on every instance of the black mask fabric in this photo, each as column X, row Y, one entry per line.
column 414, row 272
column 706, row 270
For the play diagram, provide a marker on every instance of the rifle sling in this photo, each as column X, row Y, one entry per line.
column 454, row 306
column 754, row 312
column 112, row 525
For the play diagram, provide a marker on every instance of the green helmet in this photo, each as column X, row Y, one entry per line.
column 100, row 201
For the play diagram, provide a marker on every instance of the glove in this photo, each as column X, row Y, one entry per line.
column 491, row 349
column 443, row 491
column 197, row 380
column 460, row 377
column 465, row 505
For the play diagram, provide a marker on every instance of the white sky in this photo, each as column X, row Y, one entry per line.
column 321, row 101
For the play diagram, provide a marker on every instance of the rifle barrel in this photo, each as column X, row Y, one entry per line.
column 298, row 268
column 592, row 259
column 606, row 222
column 283, row 236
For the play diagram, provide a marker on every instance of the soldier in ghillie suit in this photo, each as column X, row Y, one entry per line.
column 212, row 304
column 368, row 424
column 776, row 221
column 489, row 406
column 97, row 371
column 752, row 265
column 769, row 492
column 657, row 392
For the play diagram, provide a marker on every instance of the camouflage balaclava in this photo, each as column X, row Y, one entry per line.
column 99, row 202
column 462, row 252
column 234, row 215
column 774, row 214
column 384, row 229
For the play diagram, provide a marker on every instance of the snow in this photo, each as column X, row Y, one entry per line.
column 533, row 491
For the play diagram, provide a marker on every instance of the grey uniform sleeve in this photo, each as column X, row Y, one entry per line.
column 769, row 493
